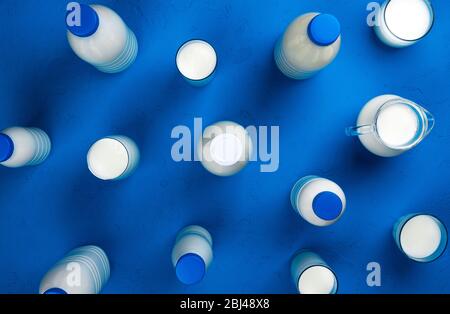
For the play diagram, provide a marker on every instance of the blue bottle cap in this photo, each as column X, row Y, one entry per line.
column 55, row 291
column 6, row 147
column 190, row 269
column 88, row 21
column 324, row 29
column 327, row 205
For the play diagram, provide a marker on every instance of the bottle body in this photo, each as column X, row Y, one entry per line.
column 299, row 57
column 192, row 254
column 29, row 147
column 112, row 48
column 422, row 238
column 225, row 148
column 319, row 201
column 113, row 157
column 84, row 270
column 311, row 275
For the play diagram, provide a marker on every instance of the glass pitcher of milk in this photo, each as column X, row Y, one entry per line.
column 389, row 125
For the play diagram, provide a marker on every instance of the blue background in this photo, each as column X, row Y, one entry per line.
column 46, row 211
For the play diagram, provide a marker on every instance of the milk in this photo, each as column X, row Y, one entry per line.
column 113, row 157
column 102, row 39
column 311, row 275
column 225, row 148
column 319, row 201
column 389, row 125
column 196, row 60
column 310, row 43
column 398, row 125
column 192, row 254
column 401, row 23
column 317, row 280
column 84, row 270
column 422, row 238
column 21, row 147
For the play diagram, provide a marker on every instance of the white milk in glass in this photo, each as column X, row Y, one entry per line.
column 225, row 148
column 420, row 237
column 317, row 280
column 401, row 23
column 389, row 125
column 196, row 60
column 113, row 157
column 311, row 275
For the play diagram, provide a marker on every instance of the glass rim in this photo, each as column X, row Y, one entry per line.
column 431, row 11
column 424, row 259
column 178, row 52
column 335, row 290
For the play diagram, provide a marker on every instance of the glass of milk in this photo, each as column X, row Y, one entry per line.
column 113, row 157
column 389, row 125
column 196, row 60
column 225, row 148
column 422, row 238
column 401, row 23
column 312, row 275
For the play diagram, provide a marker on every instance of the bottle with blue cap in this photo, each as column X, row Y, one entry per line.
column 309, row 44
column 192, row 254
column 84, row 270
column 21, row 147
column 312, row 275
column 319, row 201
column 100, row 37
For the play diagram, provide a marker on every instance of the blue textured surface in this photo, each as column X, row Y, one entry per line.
column 48, row 210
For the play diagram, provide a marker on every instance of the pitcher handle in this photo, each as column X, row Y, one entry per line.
column 359, row 130
column 430, row 122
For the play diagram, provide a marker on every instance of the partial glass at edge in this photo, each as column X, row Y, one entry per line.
column 430, row 10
